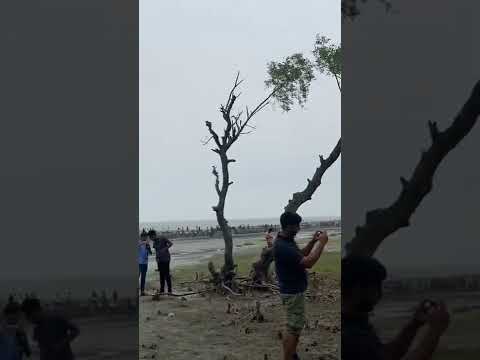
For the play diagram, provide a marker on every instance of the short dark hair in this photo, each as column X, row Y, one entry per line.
column 288, row 218
column 361, row 270
column 152, row 233
column 31, row 305
column 270, row 230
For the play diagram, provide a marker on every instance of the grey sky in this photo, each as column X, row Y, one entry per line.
column 189, row 54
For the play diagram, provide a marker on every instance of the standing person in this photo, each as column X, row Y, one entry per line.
column 12, row 313
column 143, row 252
column 53, row 333
column 291, row 263
column 162, row 251
column 269, row 237
column 362, row 282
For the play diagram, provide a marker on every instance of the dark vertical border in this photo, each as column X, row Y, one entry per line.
column 407, row 74
column 69, row 158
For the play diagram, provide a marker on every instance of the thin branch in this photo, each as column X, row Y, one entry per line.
column 299, row 198
column 230, row 290
column 250, row 115
column 338, row 81
column 207, row 141
column 237, row 84
column 381, row 223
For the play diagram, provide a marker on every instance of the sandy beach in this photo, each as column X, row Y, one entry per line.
column 199, row 327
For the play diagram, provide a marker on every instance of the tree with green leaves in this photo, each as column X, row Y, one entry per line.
column 292, row 79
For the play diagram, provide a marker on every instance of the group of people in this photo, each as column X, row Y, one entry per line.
column 361, row 285
column 162, row 254
column 53, row 333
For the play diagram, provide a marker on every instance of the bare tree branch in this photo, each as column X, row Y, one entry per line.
column 217, row 180
column 338, row 78
column 214, row 134
column 205, row 142
column 299, row 198
column 380, row 223
column 250, row 115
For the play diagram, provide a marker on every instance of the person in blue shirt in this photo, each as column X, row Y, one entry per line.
column 143, row 251
column 291, row 263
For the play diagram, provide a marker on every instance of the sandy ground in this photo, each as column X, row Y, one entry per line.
column 201, row 328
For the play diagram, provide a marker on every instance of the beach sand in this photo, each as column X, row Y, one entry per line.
column 200, row 327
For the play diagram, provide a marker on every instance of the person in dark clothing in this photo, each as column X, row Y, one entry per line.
column 162, row 253
column 52, row 332
column 362, row 279
column 12, row 313
column 291, row 263
column 152, row 235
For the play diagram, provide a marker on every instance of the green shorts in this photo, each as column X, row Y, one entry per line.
column 295, row 308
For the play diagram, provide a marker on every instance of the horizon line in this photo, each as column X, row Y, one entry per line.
column 233, row 219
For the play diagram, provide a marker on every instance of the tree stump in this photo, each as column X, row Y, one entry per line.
column 259, row 273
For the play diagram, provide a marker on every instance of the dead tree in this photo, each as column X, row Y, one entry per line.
column 237, row 124
column 380, row 223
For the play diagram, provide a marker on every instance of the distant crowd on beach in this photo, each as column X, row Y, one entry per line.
column 215, row 231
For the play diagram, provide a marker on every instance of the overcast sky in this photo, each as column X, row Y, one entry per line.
column 190, row 52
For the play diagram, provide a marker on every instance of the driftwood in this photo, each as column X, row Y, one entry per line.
column 380, row 223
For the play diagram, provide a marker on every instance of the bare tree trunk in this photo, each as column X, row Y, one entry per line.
column 260, row 268
column 300, row 198
column 229, row 266
column 381, row 223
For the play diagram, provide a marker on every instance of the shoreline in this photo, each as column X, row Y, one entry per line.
column 194, row 251
column 244, row 256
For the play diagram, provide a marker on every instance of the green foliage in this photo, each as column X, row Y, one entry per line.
column 293, row 76
column 328, row 57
